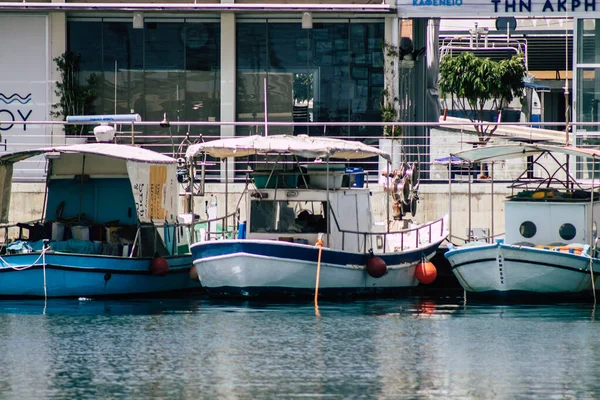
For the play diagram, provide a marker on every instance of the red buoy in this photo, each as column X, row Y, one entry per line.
column 426, row 272
column 376, row 267
column 194, row 274
column 159, row 266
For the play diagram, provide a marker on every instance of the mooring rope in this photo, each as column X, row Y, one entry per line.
column 592, row 274
column 24, row 267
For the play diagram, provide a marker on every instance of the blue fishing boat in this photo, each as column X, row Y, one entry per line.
column 308, row 232
column 109, row 226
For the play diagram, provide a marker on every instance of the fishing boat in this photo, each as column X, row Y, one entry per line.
column 109, row 225
column 307, row 232
column 549, row 247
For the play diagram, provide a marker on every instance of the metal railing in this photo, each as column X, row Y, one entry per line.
column 227, row 231
column 439, row 139
column 404, row 233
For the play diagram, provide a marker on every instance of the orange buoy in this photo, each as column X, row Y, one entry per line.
column 194, row 274
column 426, row 272
column 159, row 266
column 376, row 267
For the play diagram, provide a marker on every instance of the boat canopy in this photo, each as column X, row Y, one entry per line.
column 508, row 151
column 301, row 145
column 120, row 151
column 153, row 176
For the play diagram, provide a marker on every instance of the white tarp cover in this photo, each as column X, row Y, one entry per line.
column 154, row 190
column 121, row 151
column 508, row 151
column 6, row 172
column 153, row 175
column 301, row 145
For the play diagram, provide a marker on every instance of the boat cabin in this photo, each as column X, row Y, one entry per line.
column 112, row 199
column 299, row 215
column 551, row 217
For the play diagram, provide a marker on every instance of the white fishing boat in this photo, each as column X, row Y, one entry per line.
column 549, row 245
column 291, row 212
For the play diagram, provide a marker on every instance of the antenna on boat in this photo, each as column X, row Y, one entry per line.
column 567, row 107
column 266, row 108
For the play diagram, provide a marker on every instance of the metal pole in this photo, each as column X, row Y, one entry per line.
column 492, row 196
column 470, row 210
column 223, row 228
column 450, row 198
column 266, row 108
column 328, row 205
column 592, row 250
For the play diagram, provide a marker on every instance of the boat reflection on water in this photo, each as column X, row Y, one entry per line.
column 84, row 306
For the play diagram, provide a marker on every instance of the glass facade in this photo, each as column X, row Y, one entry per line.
column 330, row 73
column 170, row 67
column 588, row 73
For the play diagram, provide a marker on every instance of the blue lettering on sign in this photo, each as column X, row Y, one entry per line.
column 2, row 118
column 24, row 114
column 437, row 3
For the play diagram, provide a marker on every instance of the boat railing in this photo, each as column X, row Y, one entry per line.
column 225, row 227
column 409, row 238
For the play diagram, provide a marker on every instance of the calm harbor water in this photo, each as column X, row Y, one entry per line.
column 197, row 348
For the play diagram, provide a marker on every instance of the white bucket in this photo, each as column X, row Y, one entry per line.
column 80, row 232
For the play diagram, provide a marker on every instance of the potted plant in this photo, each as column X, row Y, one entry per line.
column 74, row 97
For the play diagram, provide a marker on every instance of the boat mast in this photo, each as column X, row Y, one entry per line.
column 567, row 107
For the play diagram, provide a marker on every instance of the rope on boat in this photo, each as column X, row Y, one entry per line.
column 593, row 254
column 24, row 267
column 46, row 246
column 42, row 256
column 592, row 277
column 319, row 244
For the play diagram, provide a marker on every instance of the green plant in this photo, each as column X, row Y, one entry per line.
column 303, row 87
column 388, row 102
column 474, row 83
column 74, row 98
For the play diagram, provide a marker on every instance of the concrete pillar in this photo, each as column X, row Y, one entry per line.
column 57, row 45
column 228, row 82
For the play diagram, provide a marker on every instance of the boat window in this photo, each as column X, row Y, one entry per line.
column 287, row 216
column 567, row 231
column 527, row 229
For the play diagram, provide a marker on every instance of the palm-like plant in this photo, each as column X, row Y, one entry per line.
column 74, row 98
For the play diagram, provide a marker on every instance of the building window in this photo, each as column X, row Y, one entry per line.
column 331, row 73
column 169, row 67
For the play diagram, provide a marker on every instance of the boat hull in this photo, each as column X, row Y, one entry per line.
column 75, row 275
column 259, row 268
column 504, row 270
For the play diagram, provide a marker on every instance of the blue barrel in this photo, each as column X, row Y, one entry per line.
column 357, row 177
column 242, row 231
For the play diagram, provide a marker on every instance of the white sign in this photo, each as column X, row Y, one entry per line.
column 497, row 8
column 24, row 87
